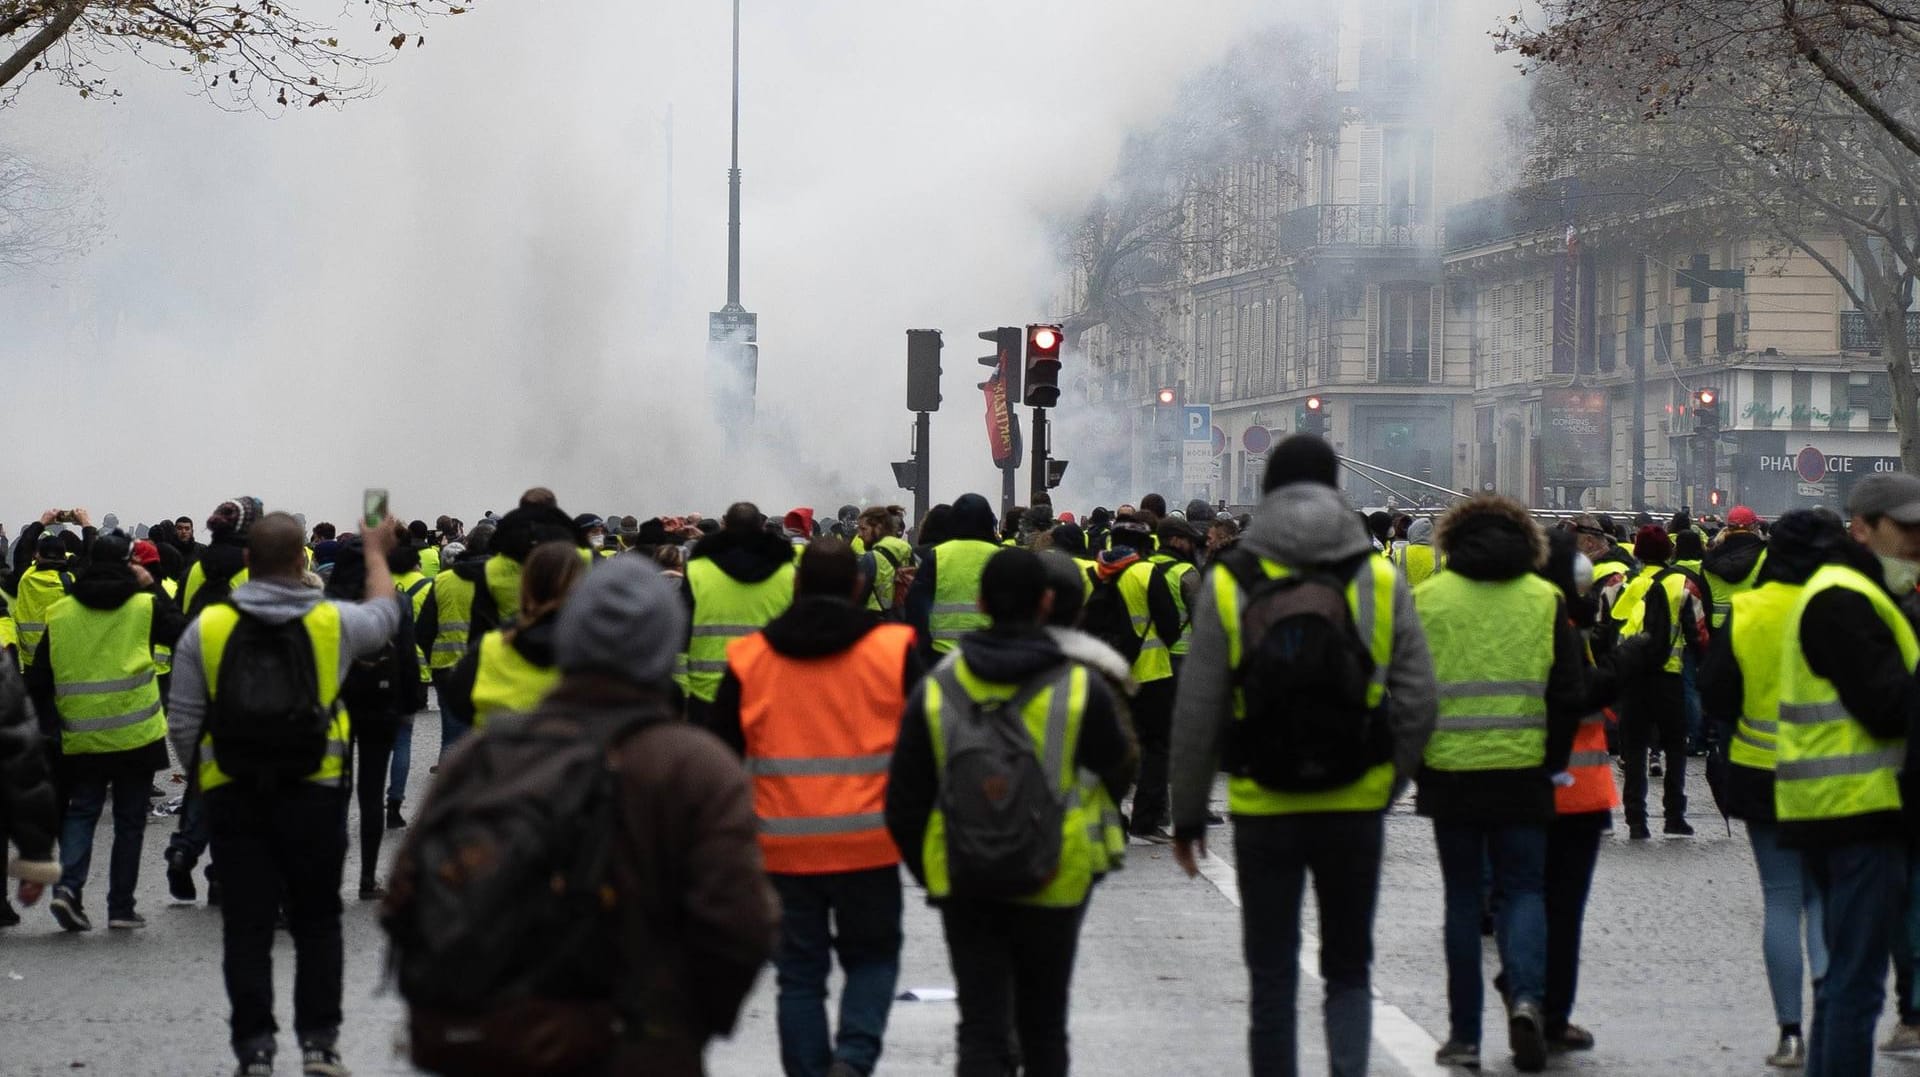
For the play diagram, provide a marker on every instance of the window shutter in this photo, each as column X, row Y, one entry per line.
column 1436, row 335
column 1370, row 166
column 1373, row 332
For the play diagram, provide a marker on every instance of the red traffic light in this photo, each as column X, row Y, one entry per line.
column 1314, row 403
column 1706, row 397
column 1044, row 338
column 1166, row 396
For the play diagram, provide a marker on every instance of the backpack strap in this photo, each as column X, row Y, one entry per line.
column 418, row 586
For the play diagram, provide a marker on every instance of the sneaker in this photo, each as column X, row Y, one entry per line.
column 395, row 821
column 180, row 888
column 1157, row 836
column 126, row 921
column 322, row 1062
column 1527, row 1037
column 1904, row 1041
column 255, row 1066
column 1465, row 1055
column 1654, row 771
column 1681, row 828
column 1638, row 832
column 1792, row 1052
column 1569, row 1037
column 66, row 910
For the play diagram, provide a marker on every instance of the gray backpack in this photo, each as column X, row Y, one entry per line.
column 1003, row 802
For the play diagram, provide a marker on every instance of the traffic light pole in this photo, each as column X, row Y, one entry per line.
column 1037, row 482
column 922, row 466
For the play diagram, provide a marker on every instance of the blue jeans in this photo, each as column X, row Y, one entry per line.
column 854, row 914
column 1790, row 899
column 1519, row 855
column 86, row 800
column 402, row 763
column 453, row 725
column 1859, row 886
column 1696, row 728
column 1273, row 855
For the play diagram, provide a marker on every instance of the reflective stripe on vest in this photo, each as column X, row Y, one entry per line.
column 163, row 654
column 1759, row 623
column 957, row 565
column 322, row 623
column 1591, row 768
column 505, row 682
column 1827, row 765
column 1052, row 715
column 1370, row 601
column 819, row 735
column 1725, row 590
column 40, row 589
column 103, row 676
column 724, row 609
column 1492, row 646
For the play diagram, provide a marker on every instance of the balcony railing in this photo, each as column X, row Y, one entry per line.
column 1404, row 368
column 1860, row 330
column 1360, row 226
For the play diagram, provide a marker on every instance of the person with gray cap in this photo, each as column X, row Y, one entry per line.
column 697, row 918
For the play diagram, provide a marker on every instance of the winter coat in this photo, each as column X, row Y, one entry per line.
column 29, row 811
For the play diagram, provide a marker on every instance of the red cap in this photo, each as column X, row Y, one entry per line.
column 1742, row 516
column 1066, row 517
column 145, row 553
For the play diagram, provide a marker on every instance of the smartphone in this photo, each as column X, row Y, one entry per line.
column 373, row 507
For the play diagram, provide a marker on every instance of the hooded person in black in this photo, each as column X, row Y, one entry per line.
column 107, row 585
column 970, row 518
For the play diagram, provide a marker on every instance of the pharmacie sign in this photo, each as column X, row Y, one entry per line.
column 1811, row 465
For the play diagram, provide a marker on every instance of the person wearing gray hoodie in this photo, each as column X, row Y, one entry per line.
column 1338, row 835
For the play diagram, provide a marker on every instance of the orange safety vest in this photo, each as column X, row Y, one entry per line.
column 819, row 737
column 1592, row 770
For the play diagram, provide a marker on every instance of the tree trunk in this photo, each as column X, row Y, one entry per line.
column 41, row 41
column 1906, row 393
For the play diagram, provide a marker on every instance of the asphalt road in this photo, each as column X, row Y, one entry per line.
column 1672, row 981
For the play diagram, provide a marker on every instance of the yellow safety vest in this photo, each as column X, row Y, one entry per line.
column 1154, row 663
column 103, row 676
column 430, row 561
column 1827, row 765
column 957, row 567
column 504, row 682
column 197, row 578
column 1633, row 618
column 1492, row 646
column 1176, row 572
column 453, row 605
column 724, row 610
column 503, row 583
column 1052, row 716
column 163, row 654
column 1725, row 590
column 881, row 596
column 1370, row 602
column 414, row 587
column 1417, row 562
column 40, row 590
column 1759, row 638
column 322, row 623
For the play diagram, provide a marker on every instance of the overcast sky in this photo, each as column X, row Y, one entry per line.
column 464, row 286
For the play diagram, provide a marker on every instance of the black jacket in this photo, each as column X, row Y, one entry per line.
column 1002, row 656
column 813, row 627
column 29, row 811
column 105, row 587
column 1733, row 559
column 1494, row 549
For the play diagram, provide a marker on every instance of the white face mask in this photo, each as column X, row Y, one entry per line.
column 596, row 541
column 1901, row 574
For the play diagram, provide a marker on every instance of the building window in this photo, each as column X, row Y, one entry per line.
column 1406, row 312
column 1408, row 164
column 1691, row 343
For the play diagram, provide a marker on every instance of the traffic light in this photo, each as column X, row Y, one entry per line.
column 1313, row 417
column 1043, row 366
column 1706, row 410
column 1005, row 358
column 923, row 370
column 904, row 472
column 1056, row 472
column 1166, row 397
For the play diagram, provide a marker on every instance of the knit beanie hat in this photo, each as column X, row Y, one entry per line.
column 625, row 620
column 235, row 517
column 1300, row 458
column 1651, row 543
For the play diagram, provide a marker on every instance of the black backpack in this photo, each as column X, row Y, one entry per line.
column 1003, row 808
column 1106, row 618
column 266, row 719
column 501, row 915
column 1304, row 675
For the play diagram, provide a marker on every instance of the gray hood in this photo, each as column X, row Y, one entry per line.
column 1305, row 523
column 1095, row 655
column 276, row 601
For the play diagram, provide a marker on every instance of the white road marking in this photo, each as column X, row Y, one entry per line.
column 1394, row 1033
